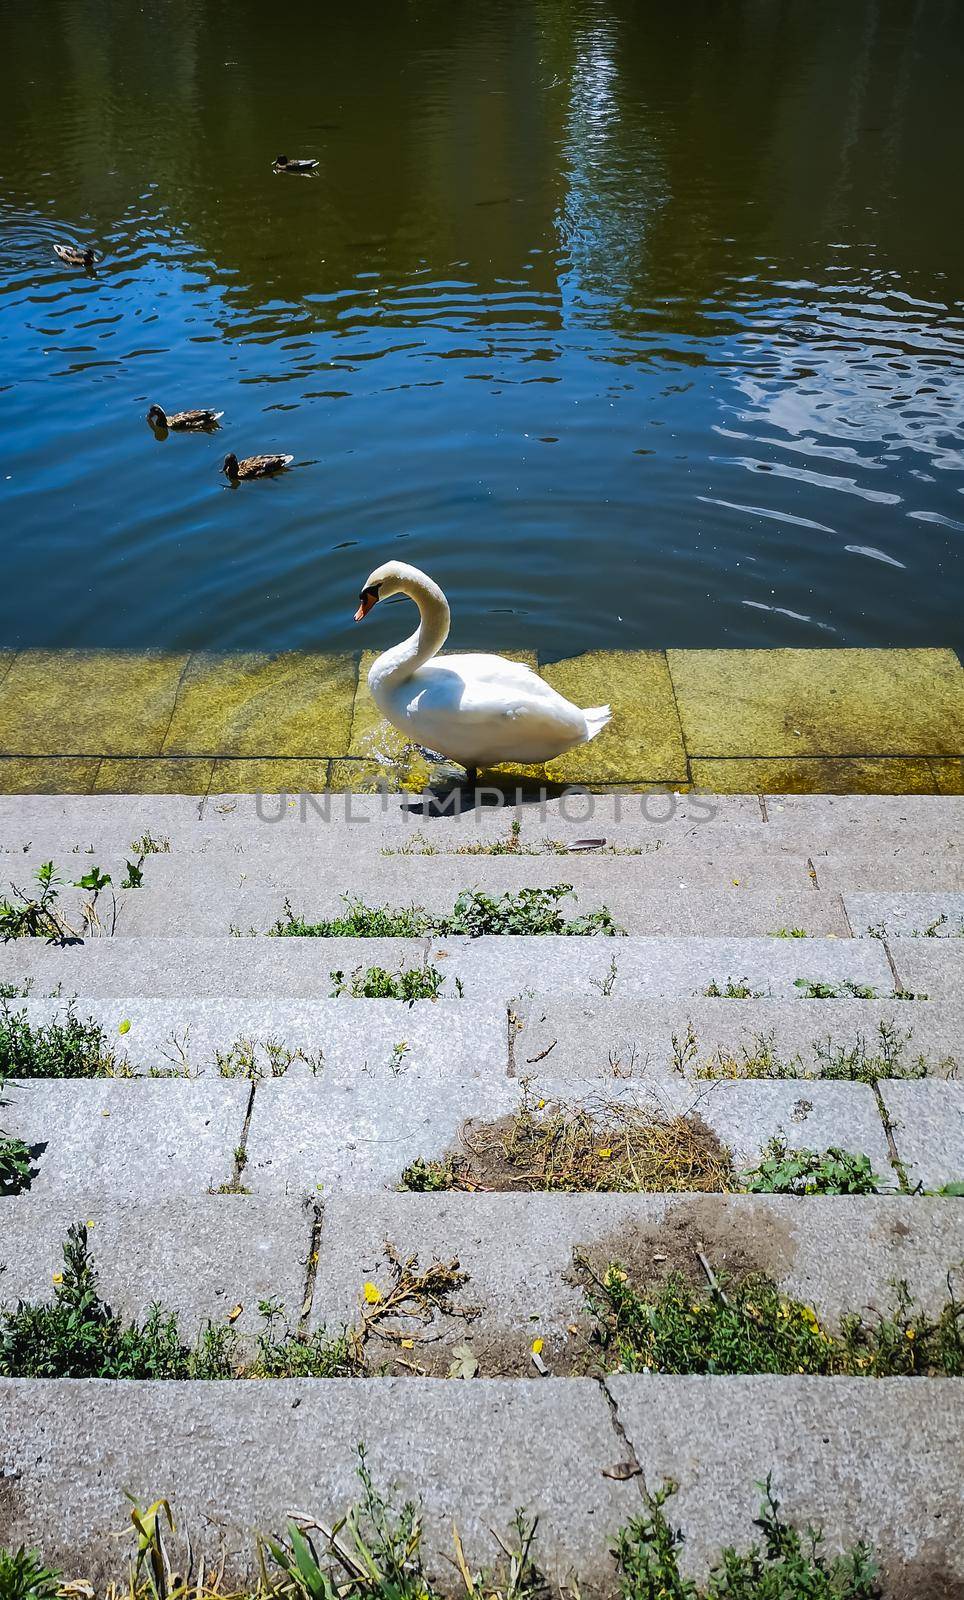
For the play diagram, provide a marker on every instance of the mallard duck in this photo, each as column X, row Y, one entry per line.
column 75, row 257
column 195, row 421
column 479, row 709
column 254, row 466
column 290, row 164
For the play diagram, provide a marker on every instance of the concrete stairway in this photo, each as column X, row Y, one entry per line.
column 330, row 1099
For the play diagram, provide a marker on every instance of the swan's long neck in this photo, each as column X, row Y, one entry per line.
column 403, row 659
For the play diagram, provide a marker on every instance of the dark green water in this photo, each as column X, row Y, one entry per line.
column 633, row 324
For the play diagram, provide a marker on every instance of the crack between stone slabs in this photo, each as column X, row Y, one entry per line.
column 764, row 813
column 812, row 873
column 513, row 1028
column 241, row 1148
column 892, row 965
column 311, row 1264
column 627, row 1445
column 894, row 1153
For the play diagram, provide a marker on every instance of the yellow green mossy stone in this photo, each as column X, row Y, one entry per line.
column 7, row 658
column 47, row 775
column 949, row 774
column 88, row 702
column 361, row 776
column 287, row 704
column 284, row 776
column 153, row 776
column 816, row 775
column 819, row 702
column 643, row 742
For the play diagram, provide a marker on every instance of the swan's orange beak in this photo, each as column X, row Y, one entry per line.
column 368, row 597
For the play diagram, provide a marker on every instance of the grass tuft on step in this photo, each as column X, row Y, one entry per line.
column 749, row 1327
column 528, row 911
column 375, row 1552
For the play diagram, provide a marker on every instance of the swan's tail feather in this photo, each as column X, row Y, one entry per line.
column 596, row 719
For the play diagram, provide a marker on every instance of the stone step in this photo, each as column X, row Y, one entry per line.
column 863, row 824
column 612, row 1038
column 186, row 1036
column 211, row 910
column 656, row 1039
column 929, row 966
column 357, row 1131
column 487, row 969
column 232, row 1457
column 935, row 915
column 928, row 1130
column 626, row 968
column 205, row 1257
column 357, row 861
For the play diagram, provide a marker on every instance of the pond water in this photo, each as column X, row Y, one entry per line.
column 634, row 324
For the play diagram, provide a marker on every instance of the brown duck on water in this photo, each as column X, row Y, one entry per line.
column 254, row 466
column 290, row 164
column 75, row 257
column 193, row 421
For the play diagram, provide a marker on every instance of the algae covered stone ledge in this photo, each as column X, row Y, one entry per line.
column 748, row 721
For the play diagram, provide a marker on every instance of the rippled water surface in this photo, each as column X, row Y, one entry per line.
column 634, row 324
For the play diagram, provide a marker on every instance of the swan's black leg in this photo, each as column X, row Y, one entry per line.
column 471, row 777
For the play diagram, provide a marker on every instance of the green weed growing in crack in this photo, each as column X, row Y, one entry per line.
column 749, row 1326
column 374, row 1552
column 149, row 845
column 732, row 989
column 790, row 1565
column 528, row 911
column 832, row 1171
column 866, row 1060
column 254, row 1060
column 67, row 1047
column 376, row 983
column 79, row 1335
column 23, row 1576
column 17, row 1168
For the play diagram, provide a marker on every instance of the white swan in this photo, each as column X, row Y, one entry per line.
column 480, row 710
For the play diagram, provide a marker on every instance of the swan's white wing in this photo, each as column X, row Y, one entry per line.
column 482, row 708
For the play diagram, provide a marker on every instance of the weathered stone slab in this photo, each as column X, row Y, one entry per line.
column 140, row 776
column 285, row 704
column 934, row 967
column 928, row 1123
column 815, row 775
column 203, row 1257
column 149, row 1140
column 862, row 1459
column 513, row 966
column 904, row 870
column 161, row 968
column 208, row 904
column 746, row 1116
column 819, row 702
column 838, row 1254
column 669, row 1038
column 359, row 1130
column 237, row 1457
column 188, row 1034
column 88, row 702
column 644, row 739
column 907, row 915
column 33, row 775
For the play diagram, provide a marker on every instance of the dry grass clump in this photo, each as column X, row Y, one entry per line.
column 611, row 1147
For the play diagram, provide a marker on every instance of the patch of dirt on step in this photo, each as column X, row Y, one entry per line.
column 737, row 1240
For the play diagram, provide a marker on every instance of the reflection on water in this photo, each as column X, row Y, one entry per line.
column 635, row 325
